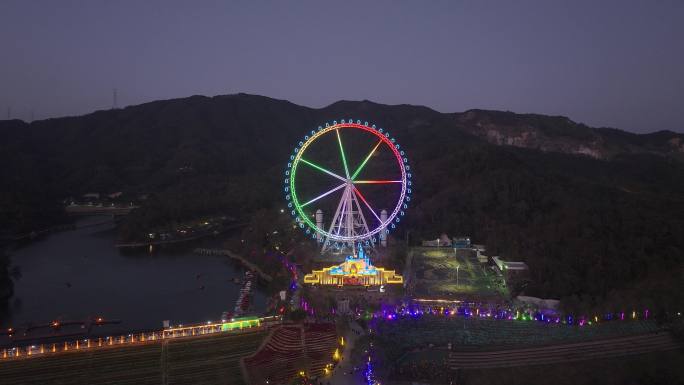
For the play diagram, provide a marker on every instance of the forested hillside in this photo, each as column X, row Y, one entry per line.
column 522, row 184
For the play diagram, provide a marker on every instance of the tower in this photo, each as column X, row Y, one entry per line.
column 319, row 224
column 383, row 232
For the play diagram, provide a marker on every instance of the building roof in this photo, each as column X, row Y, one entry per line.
column 509, row 265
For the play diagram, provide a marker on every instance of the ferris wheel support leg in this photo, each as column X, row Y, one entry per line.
column 363, row 218
column 336, row 217
column 339, row 223
column 349, row 218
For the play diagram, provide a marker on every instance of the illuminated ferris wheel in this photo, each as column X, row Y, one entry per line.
column 351, row 169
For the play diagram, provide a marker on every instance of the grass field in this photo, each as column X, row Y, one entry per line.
column 439, row 272
column 212, row 359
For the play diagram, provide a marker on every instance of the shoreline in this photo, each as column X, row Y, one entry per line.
column 195, row 237
column 228, row 253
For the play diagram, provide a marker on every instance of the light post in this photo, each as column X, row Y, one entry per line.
column 457, row 267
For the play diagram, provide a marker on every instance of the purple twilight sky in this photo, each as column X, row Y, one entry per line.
column 604, row 63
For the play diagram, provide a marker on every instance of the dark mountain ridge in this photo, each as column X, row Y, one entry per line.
column 597, row 213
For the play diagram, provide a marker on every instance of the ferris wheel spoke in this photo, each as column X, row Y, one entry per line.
column 324, row 194
column 344, row 158
column 377, row 181
column 319, row 168
column 358, row 169
column 358, row 194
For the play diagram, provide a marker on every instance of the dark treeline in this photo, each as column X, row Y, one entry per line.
column 594, row 232
column 6, row 282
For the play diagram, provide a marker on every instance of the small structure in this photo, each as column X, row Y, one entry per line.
column 442, row 241
column 343, row 306
column 545, row 305
column 510, row 269
column 479, row 251
column 356, row 270
column 91, row 195
column 461, row 243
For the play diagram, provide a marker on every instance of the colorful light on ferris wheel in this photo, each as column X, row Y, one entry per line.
column 349, row 183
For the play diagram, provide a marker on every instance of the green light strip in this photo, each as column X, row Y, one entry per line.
column 323, row 195
column 344, row 159
column 319, row 168
column 358, row 170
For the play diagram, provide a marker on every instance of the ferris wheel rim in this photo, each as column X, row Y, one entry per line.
column 405, row 182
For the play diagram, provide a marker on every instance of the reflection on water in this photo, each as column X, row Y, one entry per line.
column 77, row 274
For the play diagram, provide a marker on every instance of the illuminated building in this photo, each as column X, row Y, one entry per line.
column 356, row 270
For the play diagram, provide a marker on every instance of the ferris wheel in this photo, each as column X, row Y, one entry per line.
column 354, row 170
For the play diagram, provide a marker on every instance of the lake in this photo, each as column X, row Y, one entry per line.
column 77, row 274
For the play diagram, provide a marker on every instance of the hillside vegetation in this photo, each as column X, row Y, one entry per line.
column 596, row 213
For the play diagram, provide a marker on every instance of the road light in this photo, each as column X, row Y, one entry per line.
column 457, row 267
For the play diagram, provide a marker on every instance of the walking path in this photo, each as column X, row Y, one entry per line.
column 342, row 374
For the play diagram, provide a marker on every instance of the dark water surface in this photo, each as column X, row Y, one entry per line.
column 76, row 274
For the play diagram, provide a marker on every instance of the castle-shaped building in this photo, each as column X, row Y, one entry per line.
column 356, row 270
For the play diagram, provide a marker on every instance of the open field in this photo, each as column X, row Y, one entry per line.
column 477, row 333
column 211, row 359
column 438, row 272
column 486, row 351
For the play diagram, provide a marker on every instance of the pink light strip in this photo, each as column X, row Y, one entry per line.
column 358, row 193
